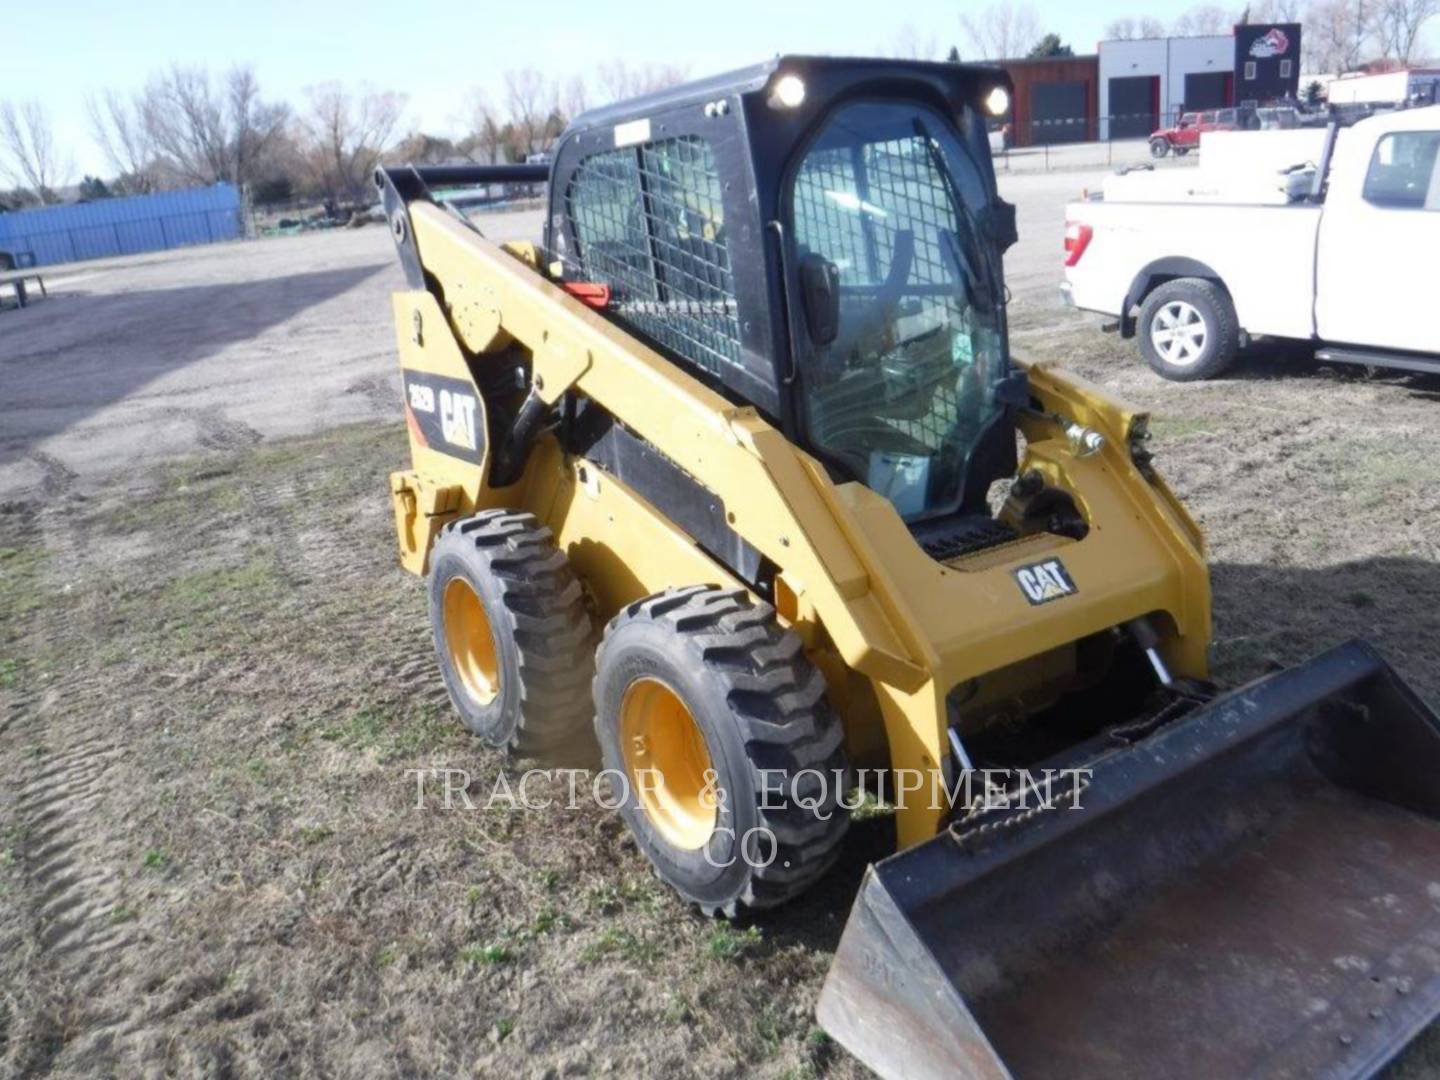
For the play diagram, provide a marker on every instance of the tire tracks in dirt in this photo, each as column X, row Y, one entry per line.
column 379, row 391
column 74, row 889
column 217, row 430
column 94, row 928
column 56, row 478
column 417, row 670
column 280, row 508
column 20, row 709
column 81, row 1007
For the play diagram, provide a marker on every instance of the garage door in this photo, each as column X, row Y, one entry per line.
column 1205, row 91
column 1133, row 103
column 1058, row 113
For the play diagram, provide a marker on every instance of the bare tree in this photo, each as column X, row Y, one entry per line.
column 1204, row 19
column 207, row 133
column 1337, row 35
column 183, row 118
column 347, row 134
column 486, row 142
column 1398, row 24
column 117, row 126
column 27, row 150
column 1128, row 29
column 1275, row 11
column 285, row 166
column 911, row 44
column 528, row 100
column 1001, row 31
column 418, row 148
column 254, row 125
column 576, row 98
column 612, row 78
column 617, row 81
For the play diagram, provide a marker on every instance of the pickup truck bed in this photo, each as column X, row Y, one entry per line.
column 1347, row 266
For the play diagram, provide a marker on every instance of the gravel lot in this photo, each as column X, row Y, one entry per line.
column 139, row 360
column 216, row 684
column 135, row 360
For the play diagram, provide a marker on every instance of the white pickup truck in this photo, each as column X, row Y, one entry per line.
column 1342, row 251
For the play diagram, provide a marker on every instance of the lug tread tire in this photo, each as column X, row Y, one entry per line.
column 777, row 697
column 1223, row 328
column 544, row 613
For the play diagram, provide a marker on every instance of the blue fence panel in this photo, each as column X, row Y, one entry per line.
column 124, row 226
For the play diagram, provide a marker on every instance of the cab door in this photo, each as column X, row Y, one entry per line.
column 1378, row 234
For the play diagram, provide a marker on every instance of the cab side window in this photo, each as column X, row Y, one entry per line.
column 1403, row 173
column 649, row 223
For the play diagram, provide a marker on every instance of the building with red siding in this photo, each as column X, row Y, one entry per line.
column 1056, row 99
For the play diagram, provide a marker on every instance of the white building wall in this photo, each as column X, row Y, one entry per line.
column 1169, row 58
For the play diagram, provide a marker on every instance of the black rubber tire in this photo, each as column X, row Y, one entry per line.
column 543, row 633
column 1159, row 147
column 760, row 705
column 1222, row 329
column 1181, row 151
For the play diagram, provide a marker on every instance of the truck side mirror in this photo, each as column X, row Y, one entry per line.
column 820, row 296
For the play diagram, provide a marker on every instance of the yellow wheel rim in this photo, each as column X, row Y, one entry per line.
column 667, row 762
column 470, row 642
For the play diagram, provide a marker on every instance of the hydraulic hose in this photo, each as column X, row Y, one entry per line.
column 513, row 451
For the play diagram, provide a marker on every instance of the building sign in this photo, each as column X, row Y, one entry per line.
column 1267, row 62
column 1274, row 43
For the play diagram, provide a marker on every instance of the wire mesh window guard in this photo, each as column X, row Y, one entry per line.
column 649, row 223
column 880, row 210
column 887, row 196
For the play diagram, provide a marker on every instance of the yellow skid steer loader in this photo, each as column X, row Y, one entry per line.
column 734, row 474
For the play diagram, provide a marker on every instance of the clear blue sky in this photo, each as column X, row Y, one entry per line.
column 60, row 50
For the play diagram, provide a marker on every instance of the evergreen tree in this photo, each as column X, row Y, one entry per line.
column 1050, row 45
column 92, row 188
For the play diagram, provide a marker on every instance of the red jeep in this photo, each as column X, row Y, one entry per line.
column 1185, row 135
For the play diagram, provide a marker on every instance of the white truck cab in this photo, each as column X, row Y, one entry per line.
column 1339, row 250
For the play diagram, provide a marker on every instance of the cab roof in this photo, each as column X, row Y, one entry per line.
column 959, row 78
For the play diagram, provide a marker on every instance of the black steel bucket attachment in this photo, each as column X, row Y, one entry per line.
column 1254, row 891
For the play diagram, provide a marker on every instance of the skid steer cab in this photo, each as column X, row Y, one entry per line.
column 731, row 483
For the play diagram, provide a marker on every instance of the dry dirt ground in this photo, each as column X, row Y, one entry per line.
column 216, row 686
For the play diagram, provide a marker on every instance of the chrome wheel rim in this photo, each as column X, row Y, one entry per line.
column 1179, row 333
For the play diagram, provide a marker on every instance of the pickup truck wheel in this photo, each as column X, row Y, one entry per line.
column 1188, row 330
column 1181, row 151
column 1159, row 147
